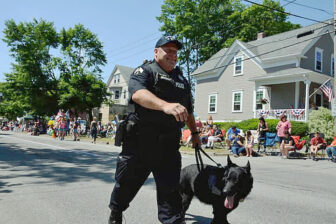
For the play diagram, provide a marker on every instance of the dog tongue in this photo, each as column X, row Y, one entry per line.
column 229, row 202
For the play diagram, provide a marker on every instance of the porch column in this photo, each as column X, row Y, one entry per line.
column 256, row 87
column 307, row 82
column 297, row 93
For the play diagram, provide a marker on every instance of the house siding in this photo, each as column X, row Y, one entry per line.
column 223, row 86
column 279, row 68
column 282, row 96
column 326, row 44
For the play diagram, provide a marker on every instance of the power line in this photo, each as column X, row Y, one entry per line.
column 268, row 52
column 258, row 55
column 288, row 2
column 137, row 53
column 131, row 48
column 307, row 6
column 135, row 42
column 272, row 42
column 287, row 13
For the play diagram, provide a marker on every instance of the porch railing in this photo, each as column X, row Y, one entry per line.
column 292, row 114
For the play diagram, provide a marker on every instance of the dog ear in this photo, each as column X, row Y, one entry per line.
column 229, row 162
column 248, row 167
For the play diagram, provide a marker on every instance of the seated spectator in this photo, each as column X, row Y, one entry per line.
column 209, row 122
column 230, row 135
column 286, row 145
column 249, row 139
column 214, row 137
column 331, row 151
column 316, row 143
column 205, row 134
column 238, row 145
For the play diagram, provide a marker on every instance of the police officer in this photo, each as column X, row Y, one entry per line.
column 162, row 100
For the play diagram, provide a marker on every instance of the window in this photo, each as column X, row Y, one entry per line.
column 117, row 78
column 212, row 103
column 259, row 95
column 237, row 101
column 332, row 72
column 117, row 95
column 238, row 67
column 124, row 94
column 318, row 59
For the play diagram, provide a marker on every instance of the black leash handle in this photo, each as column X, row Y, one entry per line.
column 199, row 160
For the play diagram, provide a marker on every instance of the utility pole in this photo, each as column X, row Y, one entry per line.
column 334, row 64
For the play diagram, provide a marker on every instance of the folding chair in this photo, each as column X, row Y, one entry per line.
column 298, row 145
column 323, row 148
column 270, row 141
column 220, row 143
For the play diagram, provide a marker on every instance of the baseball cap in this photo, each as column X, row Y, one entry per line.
column 168, row 39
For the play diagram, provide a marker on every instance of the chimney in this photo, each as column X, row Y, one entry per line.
column 261, row 35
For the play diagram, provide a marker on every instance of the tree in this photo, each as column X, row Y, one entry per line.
column 44, row 82
column 206, row 26
column 83, row 93
column 258, row 19
column 33, row 80
column 322, row 121
column 11, row 105
column 81, row 85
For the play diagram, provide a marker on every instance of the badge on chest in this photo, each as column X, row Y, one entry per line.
column 164, row 77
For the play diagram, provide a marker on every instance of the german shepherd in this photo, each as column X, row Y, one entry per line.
column 223, row 188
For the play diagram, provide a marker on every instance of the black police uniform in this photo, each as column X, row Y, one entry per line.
column 156, row 146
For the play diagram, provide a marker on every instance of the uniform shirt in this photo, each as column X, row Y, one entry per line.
column 171, row 87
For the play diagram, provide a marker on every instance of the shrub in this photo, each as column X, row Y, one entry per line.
column 298, row 128
column 321, row 120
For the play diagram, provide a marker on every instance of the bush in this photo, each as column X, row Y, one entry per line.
column 321, row 120
column 298, row 128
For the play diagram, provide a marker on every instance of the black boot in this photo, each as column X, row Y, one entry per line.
column 115, row 217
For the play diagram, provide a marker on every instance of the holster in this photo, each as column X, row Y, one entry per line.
column 126, row 131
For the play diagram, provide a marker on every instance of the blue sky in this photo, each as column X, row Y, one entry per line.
column 128, row 28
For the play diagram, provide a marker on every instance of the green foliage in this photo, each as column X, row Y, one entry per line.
column 298, row 128
column 321, row 120
column 206, row 26
column 40, row 82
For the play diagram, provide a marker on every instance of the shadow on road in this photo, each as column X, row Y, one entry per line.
column 42, row 165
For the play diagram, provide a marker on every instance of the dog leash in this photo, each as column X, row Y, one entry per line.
column 199, row 161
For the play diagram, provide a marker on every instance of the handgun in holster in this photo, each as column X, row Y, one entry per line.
column 126, row 131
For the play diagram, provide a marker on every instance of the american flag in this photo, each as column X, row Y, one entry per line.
column 327, row 90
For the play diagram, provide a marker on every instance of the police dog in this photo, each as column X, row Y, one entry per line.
column 223, row 188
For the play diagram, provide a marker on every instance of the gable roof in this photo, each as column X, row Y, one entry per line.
column 268, row 48
column 124, row 71
column 211, row 62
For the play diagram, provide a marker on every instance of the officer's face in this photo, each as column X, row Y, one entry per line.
column 166, row 56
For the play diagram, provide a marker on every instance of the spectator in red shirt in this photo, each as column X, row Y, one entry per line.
column 316, row 143
column 199, row 124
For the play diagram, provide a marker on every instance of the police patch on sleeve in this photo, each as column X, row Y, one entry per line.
column 138, row 71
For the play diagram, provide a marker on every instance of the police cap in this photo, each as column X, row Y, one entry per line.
column 168, row 39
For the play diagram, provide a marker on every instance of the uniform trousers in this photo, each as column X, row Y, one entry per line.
column 156, row 151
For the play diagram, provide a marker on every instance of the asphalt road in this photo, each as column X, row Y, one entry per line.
column 46, row 181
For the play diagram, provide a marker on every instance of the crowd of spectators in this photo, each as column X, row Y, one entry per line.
column 243, row 144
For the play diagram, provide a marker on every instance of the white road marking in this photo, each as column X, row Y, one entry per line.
column 55, row 146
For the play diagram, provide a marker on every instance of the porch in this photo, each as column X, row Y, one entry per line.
column 289, row 92
column 292, row 114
